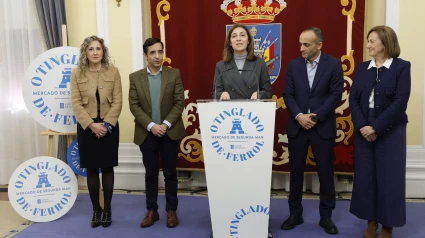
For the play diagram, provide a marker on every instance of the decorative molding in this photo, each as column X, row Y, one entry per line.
column 392, row 14
column 137, row 34
column 415, row 154
column 103, row 21
column 415, row 164
column 130, row 173
column 423, row 112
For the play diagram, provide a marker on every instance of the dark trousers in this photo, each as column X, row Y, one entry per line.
column 379, row 189
column 324, row 155
column 151, row 148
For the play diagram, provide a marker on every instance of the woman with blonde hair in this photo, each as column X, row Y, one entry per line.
column 96, row 97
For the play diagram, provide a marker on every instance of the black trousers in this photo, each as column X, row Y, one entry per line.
column 151, row 150
column 324, row 155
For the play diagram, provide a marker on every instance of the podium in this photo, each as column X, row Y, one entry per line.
column 237, row 140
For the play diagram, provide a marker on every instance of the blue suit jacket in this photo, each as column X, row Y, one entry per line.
column 391, row 95
column 323, row 97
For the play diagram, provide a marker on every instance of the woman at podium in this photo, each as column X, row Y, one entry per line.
column 241, row 74
column 96, row 97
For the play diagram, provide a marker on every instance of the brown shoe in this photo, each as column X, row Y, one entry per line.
column 150, row 218
column 372, row 226
column 386, row 232
column 172, row 220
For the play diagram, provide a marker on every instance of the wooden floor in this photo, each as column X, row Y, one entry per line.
column 9, row 219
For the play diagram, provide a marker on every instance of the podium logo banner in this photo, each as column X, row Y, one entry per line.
column 46, row 89
column 237, row 141
column 237, row 220
column 237, row 135
column 42, row 189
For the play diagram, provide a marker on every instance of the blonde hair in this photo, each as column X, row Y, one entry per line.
column 83, row 62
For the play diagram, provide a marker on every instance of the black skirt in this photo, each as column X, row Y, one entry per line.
column 95, row 152
column 98, row 153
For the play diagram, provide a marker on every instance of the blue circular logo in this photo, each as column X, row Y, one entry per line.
column 73, row 158
column 254, row 210
column 42, row 189
column 237, row 134
column 46, row 89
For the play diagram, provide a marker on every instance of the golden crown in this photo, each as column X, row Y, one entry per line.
column 252, row 11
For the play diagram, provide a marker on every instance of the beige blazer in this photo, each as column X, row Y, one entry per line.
column 83, row 95
column 172, row 103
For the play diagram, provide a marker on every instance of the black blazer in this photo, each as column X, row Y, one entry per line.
column 241, row 86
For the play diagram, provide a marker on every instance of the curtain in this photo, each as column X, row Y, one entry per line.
column 194, row 36
column 20, row 44
column 51, row 15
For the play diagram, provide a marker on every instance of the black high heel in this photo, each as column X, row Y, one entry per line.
column 106, row 218
column 96, row 220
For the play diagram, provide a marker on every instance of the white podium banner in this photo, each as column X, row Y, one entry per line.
column 237, row 140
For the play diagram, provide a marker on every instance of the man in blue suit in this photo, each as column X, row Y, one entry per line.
column 313, row 90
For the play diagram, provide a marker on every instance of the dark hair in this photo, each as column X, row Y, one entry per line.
column 228, row 50
column 150, row 42
column 389, row 39
column 317, row 32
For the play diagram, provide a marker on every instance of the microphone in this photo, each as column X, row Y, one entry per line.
column 256, row 78
column 215, row 83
